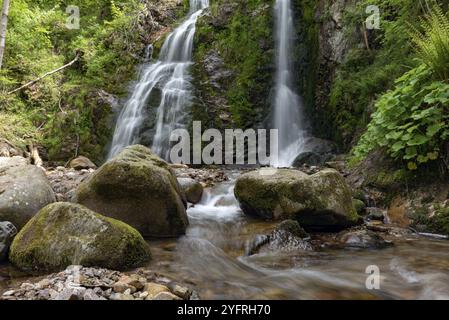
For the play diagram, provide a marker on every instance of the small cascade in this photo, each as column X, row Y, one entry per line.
column 169, row 78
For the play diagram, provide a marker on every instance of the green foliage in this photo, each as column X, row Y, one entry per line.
column 243, row 40
column 411, row 122
column 65, row 105
column 367, row 73
column 432, row 42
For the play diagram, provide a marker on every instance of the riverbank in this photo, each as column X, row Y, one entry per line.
column 217, row 257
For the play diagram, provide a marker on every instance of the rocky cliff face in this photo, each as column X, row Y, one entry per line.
column 234, row 55
column 234, row 64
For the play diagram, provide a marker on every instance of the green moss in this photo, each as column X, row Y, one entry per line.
column 359, row 206
column 243, row 39
column 139, row 188
column 436, row 223
column 63, row 233
column 293, row 194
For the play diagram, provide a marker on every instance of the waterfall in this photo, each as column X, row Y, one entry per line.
column 169, row 77
column 287, row 105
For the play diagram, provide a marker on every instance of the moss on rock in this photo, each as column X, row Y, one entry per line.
column 320, row 201
column 63, row 234
column 139, row 188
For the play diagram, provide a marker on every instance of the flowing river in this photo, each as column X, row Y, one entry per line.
column 211, row 258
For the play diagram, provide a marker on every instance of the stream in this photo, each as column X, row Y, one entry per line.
column 211, row 257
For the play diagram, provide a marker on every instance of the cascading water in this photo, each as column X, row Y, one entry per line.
column 168, row 76
column 287, row 104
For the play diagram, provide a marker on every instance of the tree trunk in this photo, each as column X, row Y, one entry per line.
column 4, row 22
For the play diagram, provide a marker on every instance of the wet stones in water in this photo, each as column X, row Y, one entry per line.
column 192, row 189
column 287, row 236
column 7, row 233
column 363, row 239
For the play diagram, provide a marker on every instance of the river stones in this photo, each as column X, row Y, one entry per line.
column 82, row 162
column 363, row 239
column 192, row 189
column 24, row 190
column 64, row 234
column 138, row 188
column 286, row 236
column 321, row 201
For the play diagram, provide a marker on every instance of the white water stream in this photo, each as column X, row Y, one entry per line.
column 169, row 75
column 287, row 104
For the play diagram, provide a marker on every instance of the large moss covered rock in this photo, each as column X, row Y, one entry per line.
column 139, row 188
column 319, row 201
column 24, row 190
column 63, row 234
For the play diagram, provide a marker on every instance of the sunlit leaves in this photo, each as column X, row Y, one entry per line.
column 411, row 122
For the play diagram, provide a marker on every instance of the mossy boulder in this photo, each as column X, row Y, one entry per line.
column 62, row 234
column 24, row 190
column 321, row 201
column 192, row 189
column 359, row 206
column 140, row 189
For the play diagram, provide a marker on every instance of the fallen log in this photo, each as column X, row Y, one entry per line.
column 78, row 54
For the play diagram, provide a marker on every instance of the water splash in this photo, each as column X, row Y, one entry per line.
column 169, row 77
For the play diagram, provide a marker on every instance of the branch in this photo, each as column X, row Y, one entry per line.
column 47, row 74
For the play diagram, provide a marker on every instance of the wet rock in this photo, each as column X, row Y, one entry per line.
column 24, row 190
column 64, row 233
column 292, row 227
column 316, row 152
column 363, row 239
column 207, row 177
column 140, row 189
column 82, row 162
column 7, row 233
column 375, row 214
column 359, row 206
column 309, row 158
column 287, row 236
column 321, row 201
column 192, row 189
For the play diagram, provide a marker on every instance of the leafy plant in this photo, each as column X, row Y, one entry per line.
column 412, row 121
column 432, row 42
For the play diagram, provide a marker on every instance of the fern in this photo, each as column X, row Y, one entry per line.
column 431, row 40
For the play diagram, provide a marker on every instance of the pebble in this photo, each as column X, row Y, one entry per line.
column 80, row 283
